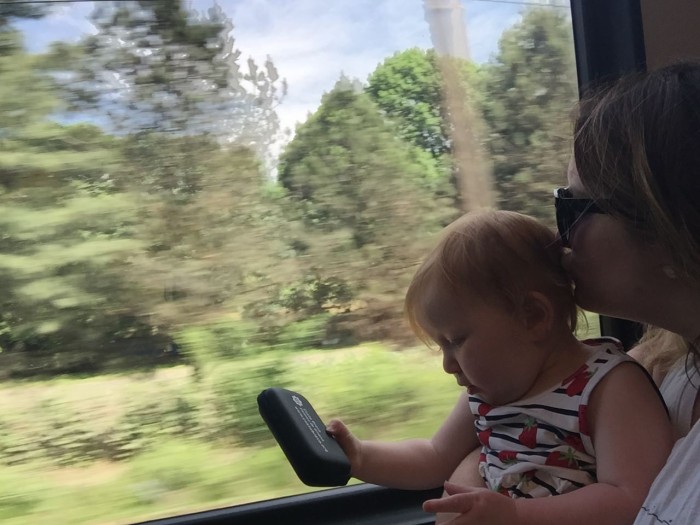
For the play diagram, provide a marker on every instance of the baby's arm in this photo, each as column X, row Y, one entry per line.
column 411, row 464
column 466, row 475
column 632, row 438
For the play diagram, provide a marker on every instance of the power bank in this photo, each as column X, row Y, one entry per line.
column 315, row 456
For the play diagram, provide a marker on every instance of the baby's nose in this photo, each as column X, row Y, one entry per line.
column 449, row 364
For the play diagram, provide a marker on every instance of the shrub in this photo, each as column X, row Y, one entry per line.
column 19, row 493
column 368, row 385
column 149, row 418
column 302, row 335
column 235, row 387
column 204, row 345
column 172, row 466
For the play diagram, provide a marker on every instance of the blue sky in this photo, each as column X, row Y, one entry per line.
column 312, row 41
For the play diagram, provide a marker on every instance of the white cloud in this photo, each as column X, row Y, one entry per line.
column 312, row 41
column 65, row 22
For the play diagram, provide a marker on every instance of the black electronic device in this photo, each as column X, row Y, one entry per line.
column 315, row 456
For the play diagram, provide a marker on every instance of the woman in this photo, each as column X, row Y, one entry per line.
column 630, row 222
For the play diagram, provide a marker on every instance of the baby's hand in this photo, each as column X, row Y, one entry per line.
column 347, row 441
column 475, row 506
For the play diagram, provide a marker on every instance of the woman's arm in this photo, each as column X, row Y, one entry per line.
column 632, row 438
column 415, row 463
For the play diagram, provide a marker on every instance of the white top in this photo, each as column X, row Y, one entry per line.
column 679, row 388
column 674, row 497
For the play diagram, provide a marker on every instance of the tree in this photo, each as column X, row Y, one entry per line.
column 408, row 88
column 19, row 9
column 431, row 99
column 214, row 251
column 171, row 82
column 154, row 66
column 168, row 221
column 530, row 91
column 351, row 173
column 363, row 197
column 64, row 221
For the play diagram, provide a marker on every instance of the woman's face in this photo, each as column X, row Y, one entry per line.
column 614, row 273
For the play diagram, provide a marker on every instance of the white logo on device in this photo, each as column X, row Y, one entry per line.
column 297, row 400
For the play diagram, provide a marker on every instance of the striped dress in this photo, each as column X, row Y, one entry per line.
column 540, row 446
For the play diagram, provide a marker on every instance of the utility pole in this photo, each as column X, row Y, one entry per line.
column 448, row 32
column 470, row 162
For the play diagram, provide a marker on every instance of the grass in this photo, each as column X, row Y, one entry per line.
column 407, row 389
column 381, row 394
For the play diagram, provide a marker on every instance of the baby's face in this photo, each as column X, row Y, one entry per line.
column 486, row 347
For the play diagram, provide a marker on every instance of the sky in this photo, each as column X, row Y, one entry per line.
column 311, row 42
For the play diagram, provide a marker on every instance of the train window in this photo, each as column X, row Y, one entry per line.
column 202, row 199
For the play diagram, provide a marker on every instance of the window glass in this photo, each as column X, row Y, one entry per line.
column 200, row 200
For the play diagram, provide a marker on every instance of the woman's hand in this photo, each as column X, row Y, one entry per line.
column 475, row 506
column 348, row 442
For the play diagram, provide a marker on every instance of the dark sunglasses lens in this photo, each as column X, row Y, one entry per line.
column 564, row 220
column 569, row 211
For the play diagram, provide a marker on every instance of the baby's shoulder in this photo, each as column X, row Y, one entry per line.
column 604, row 350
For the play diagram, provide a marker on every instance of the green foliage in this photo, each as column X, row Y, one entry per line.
column 365, row 387
column 20, row 493
column 265, row 469
column 225, row 340
column 530, row 92
column 179, row 67
column 109, row 237
column 408, row 88
column 62, row 434
column 362, row 195
column 430, row 100
column 235, row 387
column 163, row 458
column 314, row 295
column 349, row 172
column 65, row 225
column 157, row 469
column 149, row 420
column 10, row 9
column 304, row 334
column 217, row 238
column 172, row 226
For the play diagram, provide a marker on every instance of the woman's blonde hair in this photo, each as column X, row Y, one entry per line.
column 662, row 349
column 498, row 256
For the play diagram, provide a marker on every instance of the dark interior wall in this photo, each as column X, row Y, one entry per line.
column 671, row 30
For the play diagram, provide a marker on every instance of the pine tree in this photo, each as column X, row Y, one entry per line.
column 154, row 66
column 364, row 200
column 64, row 221
column 530, row 92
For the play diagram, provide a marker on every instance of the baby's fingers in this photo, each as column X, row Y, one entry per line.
column 342, row 435
column 460, row 500
column 459, row 503
column 347, row 441
column 338, row 430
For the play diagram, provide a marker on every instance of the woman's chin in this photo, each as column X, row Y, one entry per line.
column 584, row 301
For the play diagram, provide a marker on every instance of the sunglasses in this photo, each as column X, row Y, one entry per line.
column 569, row 211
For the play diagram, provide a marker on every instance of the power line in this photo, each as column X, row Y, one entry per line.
column 28, row 2
column 515, row 2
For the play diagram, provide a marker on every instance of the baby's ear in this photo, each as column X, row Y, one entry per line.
column 538, row 314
